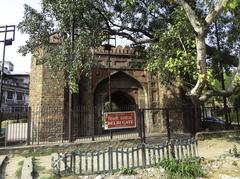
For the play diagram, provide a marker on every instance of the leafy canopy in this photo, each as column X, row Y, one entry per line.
column 51, row 40
column 161, row 26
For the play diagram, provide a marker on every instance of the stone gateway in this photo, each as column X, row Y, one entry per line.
column 129, row 88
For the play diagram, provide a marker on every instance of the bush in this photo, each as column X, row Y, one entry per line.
column 234, row 151
column 182, row 168
column 128, row 171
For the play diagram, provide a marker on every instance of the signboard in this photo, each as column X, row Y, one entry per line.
column 119, row 120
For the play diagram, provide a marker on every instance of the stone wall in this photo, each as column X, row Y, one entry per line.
column 46, row 100
column 46, row 86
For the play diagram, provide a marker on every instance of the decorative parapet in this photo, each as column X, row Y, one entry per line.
column 119, row 50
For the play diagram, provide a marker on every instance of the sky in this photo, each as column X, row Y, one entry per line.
column 11, row 13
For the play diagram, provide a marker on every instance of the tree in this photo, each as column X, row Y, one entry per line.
column 180, row 24
column 149, row 21
column 65, row 31
column 200, row 27
column 201, row 17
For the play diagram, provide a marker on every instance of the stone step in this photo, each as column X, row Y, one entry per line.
column 27, row 169
column 2, row 159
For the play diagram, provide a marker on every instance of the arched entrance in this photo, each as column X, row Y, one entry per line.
column 126, row 95
column 121, row 101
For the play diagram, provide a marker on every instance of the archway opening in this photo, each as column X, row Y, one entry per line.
column 126, row 95
column 121, row 101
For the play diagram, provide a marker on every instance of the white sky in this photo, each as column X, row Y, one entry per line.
column 11, row 13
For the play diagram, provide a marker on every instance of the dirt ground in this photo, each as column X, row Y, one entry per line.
column 216, row 158
column 216, row 155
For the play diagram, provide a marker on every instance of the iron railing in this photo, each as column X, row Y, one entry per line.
column 45, row 125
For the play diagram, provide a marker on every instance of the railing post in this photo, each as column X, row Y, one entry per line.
column 59, row 165
column 172, row 149
column 1, row 117
column 237, row 118
column 70, row 116
column 93, row 121
column 195, row 121
column 143, row 155
column 138, row 114
column 29, row 125
column 143, row 126
column 110, row 158
column 111, row 134
column 168, row 125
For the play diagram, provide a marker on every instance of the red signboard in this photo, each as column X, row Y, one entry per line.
column 119, row 120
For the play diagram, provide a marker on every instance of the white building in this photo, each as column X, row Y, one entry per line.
column 15, row 89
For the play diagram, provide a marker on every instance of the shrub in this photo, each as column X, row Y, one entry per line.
column 234, row 163
column 236, row 153
column 128, row 171
column 182, row 168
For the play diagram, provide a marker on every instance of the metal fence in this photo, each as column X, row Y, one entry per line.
column 44, row 125
column 233, row 114
column 170, row 120
column 144, row 155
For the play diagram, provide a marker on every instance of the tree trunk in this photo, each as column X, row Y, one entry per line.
column 195, row 93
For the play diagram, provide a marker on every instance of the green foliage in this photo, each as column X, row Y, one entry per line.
column 182, row 168
column 128, row 171
column 174, row 54
column 233, row 4
column 57, row 20
column 234, row 163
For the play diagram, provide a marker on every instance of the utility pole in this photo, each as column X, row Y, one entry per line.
column 5, row 29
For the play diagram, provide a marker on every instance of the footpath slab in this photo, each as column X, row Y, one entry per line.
column 27, row 169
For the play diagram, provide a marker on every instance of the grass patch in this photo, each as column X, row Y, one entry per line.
column 182, row 168
column 43, row 152
column 46, row 177
column 20, row 163
column 19, row 169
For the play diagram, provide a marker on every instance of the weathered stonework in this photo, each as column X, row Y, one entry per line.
column 133, row 85
column 46, row 100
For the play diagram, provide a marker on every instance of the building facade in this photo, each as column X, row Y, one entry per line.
column 15, row 90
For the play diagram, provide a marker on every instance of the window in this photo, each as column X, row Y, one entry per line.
column 10, row 95
column 19, row 96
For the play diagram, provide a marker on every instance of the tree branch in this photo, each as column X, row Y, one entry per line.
column 131, row 29
column 217, row 9
column 196, row 24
